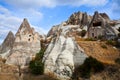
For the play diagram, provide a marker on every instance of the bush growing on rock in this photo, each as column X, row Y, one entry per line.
column 117, row 60
column 104, row 46
column 36, row 66
column 82, row 33
column 91, row 65
column 110, row 42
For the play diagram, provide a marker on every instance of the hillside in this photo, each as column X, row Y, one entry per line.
column 95, row 49
column 66, row 47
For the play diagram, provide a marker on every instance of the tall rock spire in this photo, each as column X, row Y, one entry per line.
column 26, row 45
column 7, row 43
column 24, row 27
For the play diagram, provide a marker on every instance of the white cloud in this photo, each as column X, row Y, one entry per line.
column 31, row 3
column 82, row 2
column 7, row 22
column 52, row 3
column 10, row 22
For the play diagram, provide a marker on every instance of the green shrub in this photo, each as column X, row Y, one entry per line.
column 110, row 42
column 113, row 43
column 117, row 44
column 117, row 60
column 100, row 37
column 90, row 39
column 82, row 33
column 39, row 55
column 91, row 65
column 104, row 46
column 36, row 66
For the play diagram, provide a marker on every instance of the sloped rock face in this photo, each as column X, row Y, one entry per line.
column 63, row 54
column 7, row 45
column 79, row 18
column 26, row 45
column 100, row 26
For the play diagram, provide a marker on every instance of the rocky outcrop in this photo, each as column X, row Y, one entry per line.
column 26, row 45
column 79, row 18
column 100, row 26
column 7, row 45
column 63, row 54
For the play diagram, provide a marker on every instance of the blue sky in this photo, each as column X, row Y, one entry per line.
column 43, row 14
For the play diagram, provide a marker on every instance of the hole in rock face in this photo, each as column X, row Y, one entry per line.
column 95, row 24
column 29, row 35
column 28, row 39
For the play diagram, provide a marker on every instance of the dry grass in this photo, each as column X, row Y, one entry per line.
column 94, row 49
column 8, row 77
column 38, row 77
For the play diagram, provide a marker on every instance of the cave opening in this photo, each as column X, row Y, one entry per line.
column 95, row 24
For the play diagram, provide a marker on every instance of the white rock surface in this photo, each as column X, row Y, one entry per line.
column 26, row 45
column 62, row 56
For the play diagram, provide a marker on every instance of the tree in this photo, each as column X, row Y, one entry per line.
column 91, row 65
column 82, row 33
column 36, row 66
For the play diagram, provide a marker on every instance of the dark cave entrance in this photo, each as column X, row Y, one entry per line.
column 95, row 24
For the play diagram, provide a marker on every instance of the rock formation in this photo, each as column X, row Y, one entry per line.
column 79, row 18
column 100, row 26
column 26, row 45
column 7, row 45
column 63, row 54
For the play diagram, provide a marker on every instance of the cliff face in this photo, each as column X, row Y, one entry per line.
column 26, row 45
column 7, row 45
column 64, row 53
column 79, row 18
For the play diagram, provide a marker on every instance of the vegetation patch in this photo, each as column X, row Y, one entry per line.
column 117, row 60
column 110, row 42
column 36, row 66
column 104, row 46
column 90, row 65
column 82, row 33
column 90, row 39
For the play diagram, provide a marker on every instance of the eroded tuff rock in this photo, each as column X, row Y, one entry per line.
column 7, row 45
column 100, row 26
column 26, row 45
column 63, row 54
column 79, row 18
